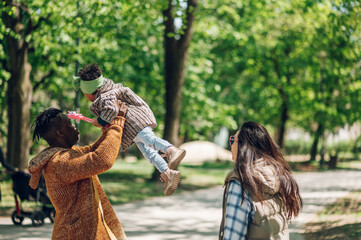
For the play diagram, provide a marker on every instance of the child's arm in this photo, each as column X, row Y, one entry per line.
column 127, row 95
column 109, row 110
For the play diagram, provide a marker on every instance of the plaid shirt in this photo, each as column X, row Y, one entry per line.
column 238, row 215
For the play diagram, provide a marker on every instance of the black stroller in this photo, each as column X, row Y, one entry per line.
column 23, row 191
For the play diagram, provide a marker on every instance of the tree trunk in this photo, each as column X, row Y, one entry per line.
column 332, row 164
column 174, row 80
column 19, row 93
column 175, row 54
column 19, row 96
column 284, row 96
column 282, row 127
column 313, row 151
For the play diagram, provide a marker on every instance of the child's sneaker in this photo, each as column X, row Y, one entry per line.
column 174, row 156
column 171, row 180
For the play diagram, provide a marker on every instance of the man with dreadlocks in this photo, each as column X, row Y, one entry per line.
column 83, row 210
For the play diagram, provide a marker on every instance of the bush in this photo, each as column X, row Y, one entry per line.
column 343, row 149
column 297, row 147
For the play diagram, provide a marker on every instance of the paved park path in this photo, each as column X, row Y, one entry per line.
column 196, row 215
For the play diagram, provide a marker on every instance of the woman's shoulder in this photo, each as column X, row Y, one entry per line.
column 231, row 176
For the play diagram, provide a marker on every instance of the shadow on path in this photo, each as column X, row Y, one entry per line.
column 319, row 189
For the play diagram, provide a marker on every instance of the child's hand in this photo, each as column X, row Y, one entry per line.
column 96, row 123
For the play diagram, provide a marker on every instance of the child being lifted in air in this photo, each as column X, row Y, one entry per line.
column 139, row 121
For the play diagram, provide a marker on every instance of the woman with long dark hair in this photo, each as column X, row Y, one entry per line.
column 261, row 195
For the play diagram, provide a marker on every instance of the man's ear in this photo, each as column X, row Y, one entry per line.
column 59, row 132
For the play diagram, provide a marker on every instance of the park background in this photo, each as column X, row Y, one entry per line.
column 204, row 67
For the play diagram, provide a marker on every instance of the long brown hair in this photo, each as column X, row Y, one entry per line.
column 254, row 142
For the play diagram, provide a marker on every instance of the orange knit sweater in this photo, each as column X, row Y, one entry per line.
column 68, row 174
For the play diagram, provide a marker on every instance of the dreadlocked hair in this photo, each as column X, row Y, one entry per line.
column 45, row 121
column 90, row 72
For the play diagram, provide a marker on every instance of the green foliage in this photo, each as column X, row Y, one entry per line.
column 297, row 147
column 246, row 59
column 123, row 38
column 259, row 55
column 334, row 76
column 345, row 146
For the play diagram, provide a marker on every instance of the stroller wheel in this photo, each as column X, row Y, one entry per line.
column 52, row 215
column 17, row 219
column 38, row 218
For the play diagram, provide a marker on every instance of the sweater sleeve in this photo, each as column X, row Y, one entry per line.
column 93, row 146
column 74, row 165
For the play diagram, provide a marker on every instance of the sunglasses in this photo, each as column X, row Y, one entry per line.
column 231, row 140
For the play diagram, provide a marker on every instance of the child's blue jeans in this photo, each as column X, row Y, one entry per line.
column 149, row 144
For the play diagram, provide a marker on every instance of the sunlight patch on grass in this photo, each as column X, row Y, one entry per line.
column 339, row 221
column 349, row 164
column 207, row 174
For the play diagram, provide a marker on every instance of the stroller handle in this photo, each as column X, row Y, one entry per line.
column 6, row 165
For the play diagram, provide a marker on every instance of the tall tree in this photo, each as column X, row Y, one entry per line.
column 17, row 18
column 335, row 71
column 176, row 44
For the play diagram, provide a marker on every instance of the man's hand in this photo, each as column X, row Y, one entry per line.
column 96, row 123
column 104, row 129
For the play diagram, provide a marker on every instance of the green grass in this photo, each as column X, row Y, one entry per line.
column 126, row 182
column 355, row 164
column 338, row 221
column 350, row 204
column 306, row 166
column 129, row 181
